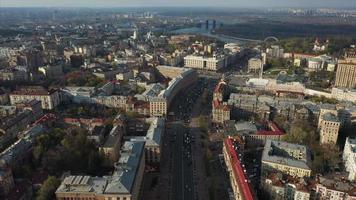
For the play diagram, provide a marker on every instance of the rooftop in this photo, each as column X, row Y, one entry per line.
column 121, row 182
column 238, row 171
column 330, row 117
column 32, row 90
column 281, row 153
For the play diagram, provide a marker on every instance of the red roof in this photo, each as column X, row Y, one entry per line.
column 218, row 105
column 244, row 187
column 218, row 88
column 274, row 130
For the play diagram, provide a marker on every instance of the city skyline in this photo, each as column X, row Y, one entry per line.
column 183, row 3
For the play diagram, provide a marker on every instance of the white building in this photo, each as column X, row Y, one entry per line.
column 344, row 94
column 49, row 99
column 349, row 158
column 275, row 51
column 255, row 65
column 51, row 71
column 214, row 63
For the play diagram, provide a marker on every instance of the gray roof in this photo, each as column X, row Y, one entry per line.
column 83, row 184
column 154, row 133
column 272, row 147
column 245, row 126
column 122, row 180
column 126, row 168
column 330, row 117
column 327, row 106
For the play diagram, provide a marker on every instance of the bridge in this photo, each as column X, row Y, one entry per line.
column 271, row 38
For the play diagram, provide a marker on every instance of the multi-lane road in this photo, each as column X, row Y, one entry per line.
column 186, row 158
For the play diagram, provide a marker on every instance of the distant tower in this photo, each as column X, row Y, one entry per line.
column 207, row 24
column 135, row 35
column 214, row 24
column 261, row 70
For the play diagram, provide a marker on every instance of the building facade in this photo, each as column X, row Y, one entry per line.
column 349, row 158
column 346, row 72
column 240, row 184
column 49, row 99
column 287, row 158
column 123, row 184
column 214, row 63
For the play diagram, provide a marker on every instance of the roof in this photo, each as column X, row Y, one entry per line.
column 83, row 184
column 277, row 152
column 330, row 117
column 238, row 171
column 154, row 133
column 219, row 86
column 126, row 169
column 121, row 182
column 32, row 90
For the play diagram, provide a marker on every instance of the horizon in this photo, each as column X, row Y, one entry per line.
column 231, row 4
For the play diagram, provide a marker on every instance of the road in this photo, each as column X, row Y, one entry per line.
column 183, row 183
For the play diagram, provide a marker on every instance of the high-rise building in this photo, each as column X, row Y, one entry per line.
column 329, row 128
column 346, row 71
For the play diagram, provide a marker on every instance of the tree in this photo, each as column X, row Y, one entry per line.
column 48, row 188
column 301, row 131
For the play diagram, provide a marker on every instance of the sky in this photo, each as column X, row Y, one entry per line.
column 179, row 3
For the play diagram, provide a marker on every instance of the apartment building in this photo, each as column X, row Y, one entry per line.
column 329, row 127
column 287, row 158
column 346, row 71
column 123, row 184
column 284, row 187
column 232, row 151
column 49, row 99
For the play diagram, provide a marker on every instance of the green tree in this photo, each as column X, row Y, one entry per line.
column 48, row 188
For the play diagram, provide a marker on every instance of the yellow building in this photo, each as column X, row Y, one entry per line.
column 329, row 128
column 346, row 71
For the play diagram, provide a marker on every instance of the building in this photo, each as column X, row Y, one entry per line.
column 275, row 51
column 287, row 158
column 181, row 78
column 4, row 97
column 239, row 181
column 343, row 94
column 49, row 99
column 255, row 133
column 329, row 128
column 335, row 188
column 349, row 158
column 346, row 71
column 6, row 181
column 112, row 144
column 153, row 140
column 124, row 75
column 255, row 65
column 320, row 46
column 221, row 110
column 123, row 184
column 51, row 71
column 214, row 63
column 13, row 75
column 284, row 187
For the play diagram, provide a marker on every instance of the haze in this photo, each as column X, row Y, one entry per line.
column 179, row 3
